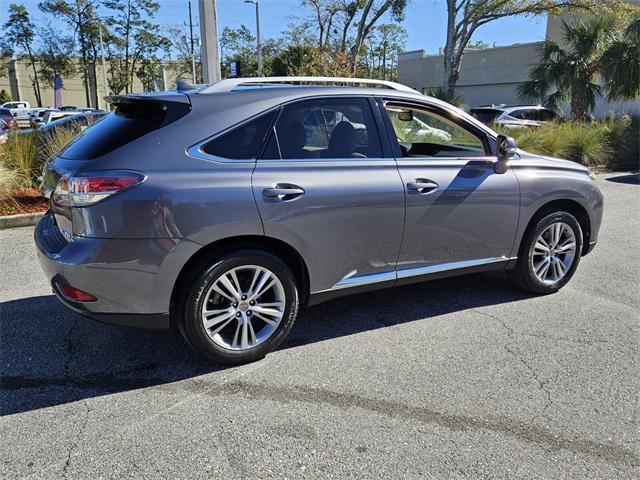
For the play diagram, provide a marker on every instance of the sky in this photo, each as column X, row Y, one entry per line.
column 425, row 20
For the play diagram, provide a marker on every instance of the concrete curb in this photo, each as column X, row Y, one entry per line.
column 21, row 220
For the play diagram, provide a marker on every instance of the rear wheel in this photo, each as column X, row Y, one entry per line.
column 241, row 307
column 549, row 254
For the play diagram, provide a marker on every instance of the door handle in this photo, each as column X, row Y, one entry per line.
column 422, row 186
column 283, row 192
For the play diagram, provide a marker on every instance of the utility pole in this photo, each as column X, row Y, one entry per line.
column 258, row 39
column 104, row 64
column 209, row 41
column 193, row 53
column 384, row 60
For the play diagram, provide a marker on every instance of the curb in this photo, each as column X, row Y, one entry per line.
column 21, row 220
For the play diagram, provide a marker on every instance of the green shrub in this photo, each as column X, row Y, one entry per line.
column 55, row 142
column 4, row 96
column 589, row 143
column 20, row 154
column 10, row 180
column 26, row 153
column 623, row 134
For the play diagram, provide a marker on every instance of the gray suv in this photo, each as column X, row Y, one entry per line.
column 223, row 210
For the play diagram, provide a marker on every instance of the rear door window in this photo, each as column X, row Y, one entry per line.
column 326, row 128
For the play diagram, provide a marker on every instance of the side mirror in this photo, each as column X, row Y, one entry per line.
column 506, row 149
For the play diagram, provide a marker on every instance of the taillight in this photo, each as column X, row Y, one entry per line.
column 81, row 190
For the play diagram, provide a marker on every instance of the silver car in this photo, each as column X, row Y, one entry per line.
column 514, row 116
column 223, row 210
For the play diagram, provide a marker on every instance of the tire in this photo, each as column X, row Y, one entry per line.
column 247, row 335
column 532, row 254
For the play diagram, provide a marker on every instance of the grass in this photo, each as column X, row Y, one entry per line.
column 10, row 181
column 611, row 143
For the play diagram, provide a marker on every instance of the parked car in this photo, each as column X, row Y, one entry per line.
column 36, row 118
column 8, row 118
column 514, row 116
column 20, row 110
column 209, row 210
column 52, row 115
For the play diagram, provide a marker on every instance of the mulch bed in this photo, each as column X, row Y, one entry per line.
column 26, row 200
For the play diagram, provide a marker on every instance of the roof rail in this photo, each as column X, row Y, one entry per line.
column 228, row 84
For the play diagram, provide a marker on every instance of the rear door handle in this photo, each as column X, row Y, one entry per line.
column 422, row 186
column 283, row 192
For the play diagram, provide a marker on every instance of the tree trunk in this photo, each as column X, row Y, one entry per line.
column 36, row 82
column 450, row 73
column 579, row 107
column 345, row 30
column 360, row 35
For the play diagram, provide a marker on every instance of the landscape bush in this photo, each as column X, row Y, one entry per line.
column 611, row 143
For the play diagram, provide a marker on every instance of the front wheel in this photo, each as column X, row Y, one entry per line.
column 241, row 307
column 550, row 253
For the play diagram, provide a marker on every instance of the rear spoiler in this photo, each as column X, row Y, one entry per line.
column 172, row 105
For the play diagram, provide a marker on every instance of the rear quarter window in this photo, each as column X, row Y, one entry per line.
column 242, row 142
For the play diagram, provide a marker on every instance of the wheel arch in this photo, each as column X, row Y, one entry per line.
column 201, row 258
column 570, row 206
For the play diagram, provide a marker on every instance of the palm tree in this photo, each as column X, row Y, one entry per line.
column 621, row 62
column 571, row 72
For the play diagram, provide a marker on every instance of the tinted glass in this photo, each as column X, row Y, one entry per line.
column 327, row 128
column 425, row 133
column 486, row 115
column 243, row 142
column 5, row 112
column 115, row 130
column 544, row 115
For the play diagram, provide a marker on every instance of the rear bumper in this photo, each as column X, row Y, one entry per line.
column 121, row 274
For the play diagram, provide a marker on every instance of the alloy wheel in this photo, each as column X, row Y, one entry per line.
column 243, row 307
column 553, row 253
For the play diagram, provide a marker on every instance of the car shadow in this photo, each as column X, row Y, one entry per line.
column 630, row 179
column 50, row 356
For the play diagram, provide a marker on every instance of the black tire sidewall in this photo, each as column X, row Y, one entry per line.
column 194, row 330
column 525, row 260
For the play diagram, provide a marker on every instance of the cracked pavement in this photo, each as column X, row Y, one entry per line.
column 462, row 378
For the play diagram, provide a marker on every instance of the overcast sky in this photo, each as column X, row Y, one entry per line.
column 425, row 20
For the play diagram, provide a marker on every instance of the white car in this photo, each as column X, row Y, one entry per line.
column 20, row 110
column 514, row 116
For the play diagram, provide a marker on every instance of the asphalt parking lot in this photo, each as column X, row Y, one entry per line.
column 461, row 378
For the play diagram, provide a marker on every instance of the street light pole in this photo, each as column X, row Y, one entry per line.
column 258, row 38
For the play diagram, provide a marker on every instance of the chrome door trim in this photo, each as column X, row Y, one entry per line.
column 362, row 280
column 443, row 267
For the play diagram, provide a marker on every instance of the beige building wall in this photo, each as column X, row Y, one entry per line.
column 492, row 75
column 18, row 82
column 487, row 76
